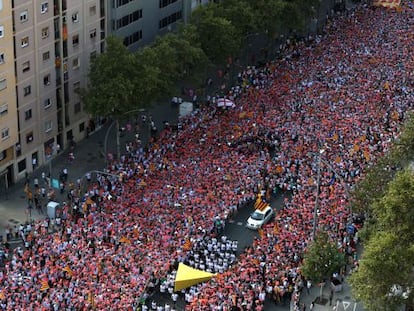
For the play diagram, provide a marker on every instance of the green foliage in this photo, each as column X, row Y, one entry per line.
column 218, row 37
column 179, row 58
column 322, row 259
column 111, row 90
column 388, row 257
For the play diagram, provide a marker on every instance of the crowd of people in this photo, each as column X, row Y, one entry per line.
column 342, row 96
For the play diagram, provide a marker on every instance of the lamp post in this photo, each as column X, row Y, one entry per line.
column 318, row 181
column 315, row 208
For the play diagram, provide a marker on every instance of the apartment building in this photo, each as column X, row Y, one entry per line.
column 45, row 52
column 8, row 101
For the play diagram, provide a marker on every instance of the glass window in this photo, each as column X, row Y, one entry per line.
column 23, row 16
column 28, row 114
column 48, row 126
column 26, row 66
column 75, row 63
column 1, row 58
column 46, row 79
column 47, row 103
column 45, row 32
column 27, row 90
column 3, row 84
column 21, row 166
column 44, row 6
column 75, row 40
column 4, row 109
column 5, row 133
column 1, row 31
column 46, row 56
column 92, row 10
column 29, row 137
column 75, row 17
column 25, row 42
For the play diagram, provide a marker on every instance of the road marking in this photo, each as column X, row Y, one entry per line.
column 231, row 221
column 239, row 223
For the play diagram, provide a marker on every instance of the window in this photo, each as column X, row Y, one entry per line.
column 23, row 16
column 21, row 166
column 47, row 103
column 3, row 84
column 92, row 10
column 77, row 108
column 45, row 32
column 118, row 3
column 3, row 154
column 5, row 133
column 1, row 31
column 29, row 137
column 136, row 36
column 127, row 19
column 1, row 58
column 92, row 55
column 76, row 87
column 75, row 40
column 26, row 66
column 75, row 63
column 48, row 126
column 75, row 17
column 25, row 42
column 46, row 79
column 27, row 90
column 46, row 56
column 92, row 33
column 4, row 109
column 44, row 6
column 28, row 114
column 170, row 19
column 164, row 3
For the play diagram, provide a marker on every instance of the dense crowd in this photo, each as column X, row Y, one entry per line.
column 346, row 92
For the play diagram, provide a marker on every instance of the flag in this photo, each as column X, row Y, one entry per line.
column 387, row 3
column 275, row 229
column 187, row 245
column 2, row 295
column 68, row 270
column 124, row 239
column 261, row 233
column 91, row 299
column 44, row 284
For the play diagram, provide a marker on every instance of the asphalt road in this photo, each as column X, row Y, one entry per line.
column 235, row 229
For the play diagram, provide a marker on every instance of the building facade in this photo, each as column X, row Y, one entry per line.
column 46, row 47
column 45, row 52
column 8, row 100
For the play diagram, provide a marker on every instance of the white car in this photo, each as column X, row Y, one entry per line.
column 259, row 217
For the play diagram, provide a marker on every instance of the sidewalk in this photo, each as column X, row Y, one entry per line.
column 89, row 156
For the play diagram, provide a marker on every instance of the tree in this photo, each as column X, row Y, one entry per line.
column 385, row 277
column 119, row 82
column 218, row 37
column 179, row 57
column 322, row 259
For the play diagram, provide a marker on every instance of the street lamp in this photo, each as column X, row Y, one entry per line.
column 117, row 135
column 318, row 181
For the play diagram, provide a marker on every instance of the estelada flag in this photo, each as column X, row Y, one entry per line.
column 68, row 270
column 124, row 239
column 44, row 284
column 2, row 295
column 187, row 245
column 275, row 229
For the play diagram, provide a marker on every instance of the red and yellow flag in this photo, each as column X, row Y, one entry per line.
column 68, row 270
column 388, row 3
column 44, row 284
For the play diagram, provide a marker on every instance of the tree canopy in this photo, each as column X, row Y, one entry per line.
column 385, row 277
column 322, row 259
